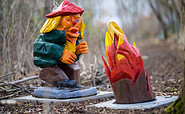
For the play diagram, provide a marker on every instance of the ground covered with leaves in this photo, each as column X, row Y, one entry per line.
column 162, row 60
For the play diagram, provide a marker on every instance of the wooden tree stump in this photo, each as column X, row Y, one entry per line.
column 125, row 92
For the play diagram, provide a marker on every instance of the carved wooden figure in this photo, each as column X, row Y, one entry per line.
column 57, row 48
column 127, row 76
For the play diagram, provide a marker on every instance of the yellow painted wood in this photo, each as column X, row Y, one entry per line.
column 120, row 57
column 82, row 28
column 70, row 46
column 50, row 24
column 134, row 44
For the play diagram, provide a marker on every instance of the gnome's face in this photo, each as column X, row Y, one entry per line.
column 71, row 24
column 71, row 21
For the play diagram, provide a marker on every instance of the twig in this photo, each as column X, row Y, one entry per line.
column 82, row 63
column 3, row 89
column 95, row 63
column 10, row 90
column 8, row 96
column 23, row 89
column 19, row 81
column 8, row 74
column 92, row 74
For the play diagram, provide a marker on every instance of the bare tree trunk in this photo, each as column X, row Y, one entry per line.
column 159, row 16
column 177, row 11
column 183, row 35
column 48, row 5
column 178, row 107
column 176, row 19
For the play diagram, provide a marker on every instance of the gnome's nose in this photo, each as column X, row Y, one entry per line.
column 74, row 22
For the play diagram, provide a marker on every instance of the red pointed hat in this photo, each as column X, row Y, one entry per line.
column 65, row 8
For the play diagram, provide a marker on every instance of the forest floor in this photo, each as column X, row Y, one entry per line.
column 164, row 63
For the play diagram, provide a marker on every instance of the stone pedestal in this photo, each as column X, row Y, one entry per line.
column 56, row 93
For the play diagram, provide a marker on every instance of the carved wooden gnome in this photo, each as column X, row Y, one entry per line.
column 58, row 46
column 127, row 76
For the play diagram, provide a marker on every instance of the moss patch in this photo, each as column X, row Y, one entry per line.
column 176, row 107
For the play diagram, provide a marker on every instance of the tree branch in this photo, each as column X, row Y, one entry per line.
column 8, row 74
column 19, row 81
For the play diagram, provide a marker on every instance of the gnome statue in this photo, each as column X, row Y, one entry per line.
column 127, row 76
column 57, row 48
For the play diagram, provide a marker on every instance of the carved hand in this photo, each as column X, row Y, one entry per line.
column 68, row 57
column 82, row 48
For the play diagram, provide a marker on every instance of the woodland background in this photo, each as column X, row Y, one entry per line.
column 21, row 21
column 157, row 27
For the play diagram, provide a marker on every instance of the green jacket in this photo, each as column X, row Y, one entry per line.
column 48, row 48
